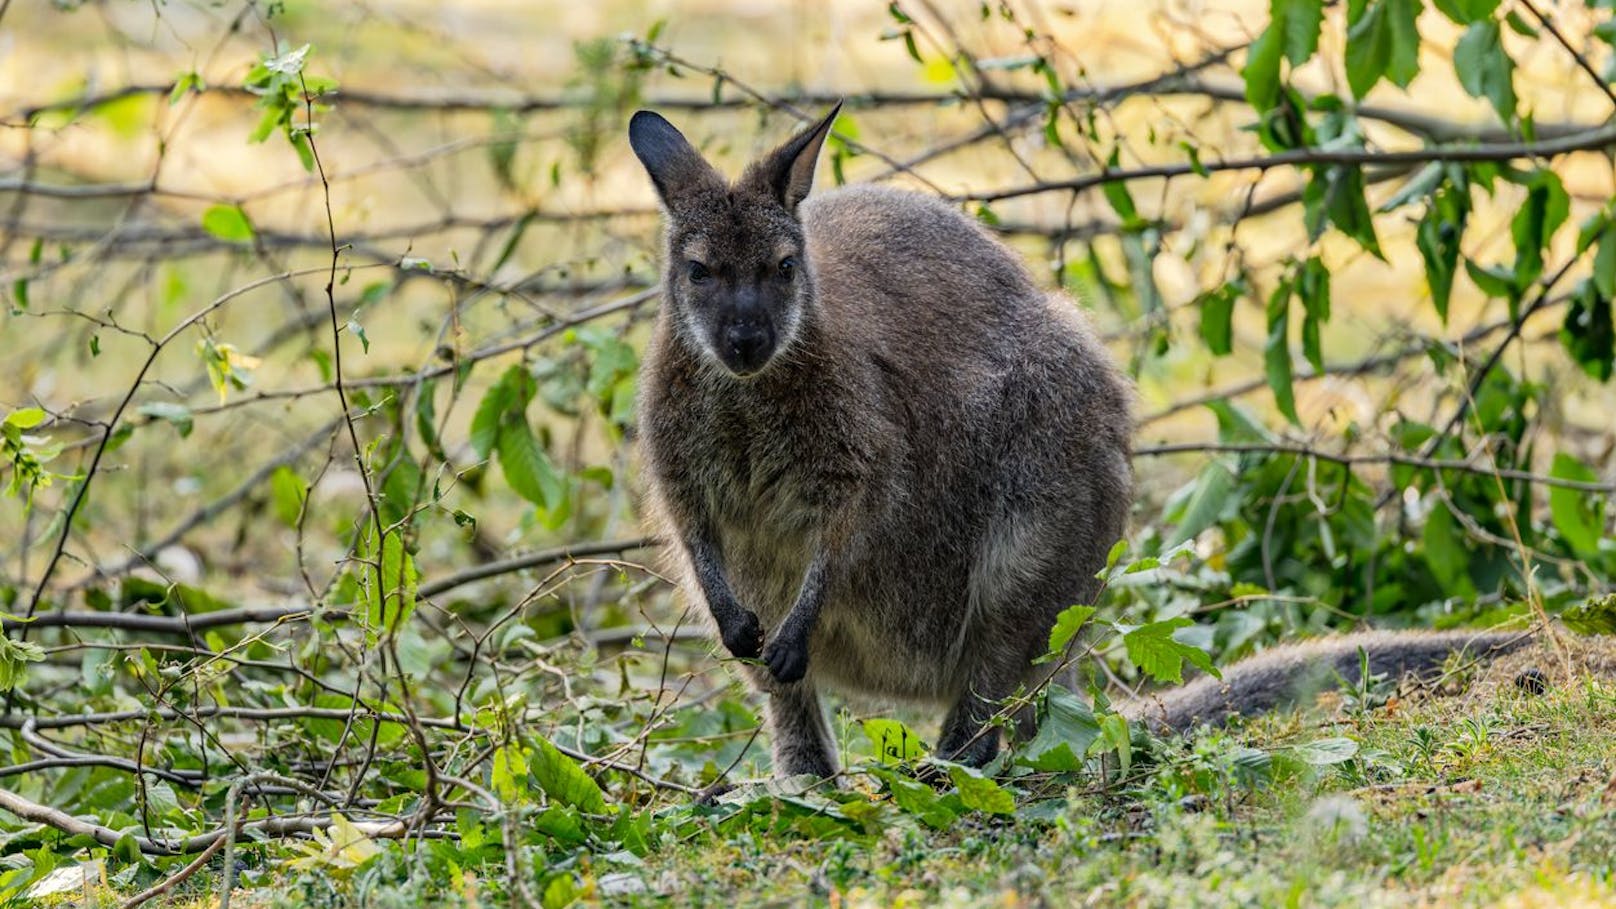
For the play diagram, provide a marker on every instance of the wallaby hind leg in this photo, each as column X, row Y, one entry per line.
column 801, row 738
column 966, row 736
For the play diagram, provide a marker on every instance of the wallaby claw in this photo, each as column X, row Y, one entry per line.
column 787, row 658
column 743, row 638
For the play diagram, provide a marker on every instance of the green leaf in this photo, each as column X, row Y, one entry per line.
column 1067, row 625
column 917, row 799
column 1464, row 12
column 1403, row 64
column 1066, row 730
column 563, row 780
column 485, row 423
column 1369, row 46
column 1438, row 241
column 25, row 417
column 1604, row 272
column 1593, row 616
column 1217, row 317
column 1545, row 209
column 1301, row 20
column 1277, row 352
column 1313, row 287
column 1588, row 333
column 14, row 659
column 391, row 606
column 1445, row 552
column 1493, row 280
column 894, row 742
column 287, row 492
column 1577, row 515
column 1214, row 492
column 229, row 223
column 1416, row 188
column 1326, row 752
column 1484, row 69
column 509, row 773
column 527, row 467
column 1161, row 656
column 176, row 414
column 1261, row 72
column 1347, row 206
column 979, row 792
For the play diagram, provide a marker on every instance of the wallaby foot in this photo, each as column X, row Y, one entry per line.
column 801, row 738
column 742, row 635
column 967, row 736
column 787, row 655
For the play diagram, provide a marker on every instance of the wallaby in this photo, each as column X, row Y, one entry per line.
column 884, row 459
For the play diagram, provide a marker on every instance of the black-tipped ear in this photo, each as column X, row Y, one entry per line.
column 673, row 163
column 788, row 171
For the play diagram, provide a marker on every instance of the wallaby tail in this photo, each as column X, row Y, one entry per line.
column 1294, row 672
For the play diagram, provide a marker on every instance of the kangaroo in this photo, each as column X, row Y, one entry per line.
column 886, row 460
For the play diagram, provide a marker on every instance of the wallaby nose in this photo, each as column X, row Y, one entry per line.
column 747, row 346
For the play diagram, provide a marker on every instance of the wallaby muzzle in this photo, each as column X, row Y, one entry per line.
column 744, row 337
column 745, row 347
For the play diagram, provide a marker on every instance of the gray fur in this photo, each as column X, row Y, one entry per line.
column 930, row 461
column 1292, row 672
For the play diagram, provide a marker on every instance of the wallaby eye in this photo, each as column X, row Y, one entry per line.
column 699, row 273
column 788, row 266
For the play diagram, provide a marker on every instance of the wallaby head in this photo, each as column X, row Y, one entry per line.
column 736, row 279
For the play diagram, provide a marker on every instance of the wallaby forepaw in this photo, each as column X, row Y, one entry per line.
column 743, row 638
column 787, row 659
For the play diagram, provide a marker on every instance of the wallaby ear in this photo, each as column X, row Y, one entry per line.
column 673, row 163
column 788, row 171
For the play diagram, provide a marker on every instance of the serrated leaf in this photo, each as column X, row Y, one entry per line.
column 979, row 792
column 1067, row 625
column 485, row 423
column 1066, row 730
column 1464, row 12
column 1544, row 210
column 1158, row 654
column 1593, row 616
column 917, row 799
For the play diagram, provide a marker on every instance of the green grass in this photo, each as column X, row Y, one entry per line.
column 1464, row 800
column 1474, row 794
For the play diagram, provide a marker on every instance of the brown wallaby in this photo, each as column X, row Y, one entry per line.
column 885, row 459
